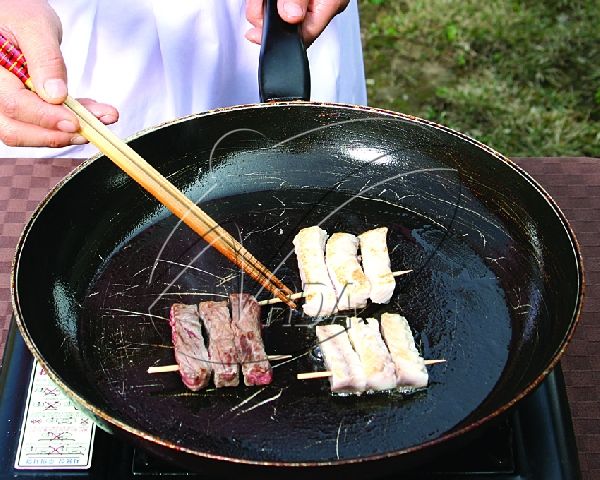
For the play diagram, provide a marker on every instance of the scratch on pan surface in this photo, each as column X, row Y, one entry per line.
column 145, row 385
column 275, row 197
column 153, row 345
column 291, row 359
column 262, row 176
column 264, row 402
column 404, row 207
column 122, row 292
column 270, row 227
column 337, row 439
column 190, row 267
column 312, row 444
column 243, row 402
column 177, row 294
column 142, row 270
column 223, row 281
column 495, row 260
column 185, row 394
column 131, row 313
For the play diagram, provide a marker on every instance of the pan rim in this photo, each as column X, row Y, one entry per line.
column 138, row 433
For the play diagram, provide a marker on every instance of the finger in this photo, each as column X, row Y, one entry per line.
column 254, row 12
column 19, row 104
column 254, row 35
column 40, row 43
column 292, row 11
column 18, row 134
column 318, row 16
column 104, row 112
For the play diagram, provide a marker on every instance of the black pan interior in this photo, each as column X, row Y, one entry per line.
column 494, row 289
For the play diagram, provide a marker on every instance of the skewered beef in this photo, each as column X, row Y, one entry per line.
column 246, row 326
column 221, row 343
column 190, row 353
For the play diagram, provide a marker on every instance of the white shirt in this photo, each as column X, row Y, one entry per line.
column 157, row 60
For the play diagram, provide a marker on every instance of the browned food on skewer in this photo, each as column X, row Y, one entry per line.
column 377, row 265
column 298, row 295
column 410, row 366
column 375, row 358
column 346, row 371
column 246, row 326
column 351, row 284
column 336, row 281
column 319, row 293
column 329, row 373
column 357, row 358
column 190, row 353
column 221, row 343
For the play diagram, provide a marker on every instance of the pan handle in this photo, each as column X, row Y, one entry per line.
column 283, row 72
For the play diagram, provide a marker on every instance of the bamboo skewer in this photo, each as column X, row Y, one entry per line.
column 296, row 296
column 398, row 273
column 164, row 369
column 326, row 373
column 175, row 368
column 300, row 376
column 271, row 301
column 155, row 183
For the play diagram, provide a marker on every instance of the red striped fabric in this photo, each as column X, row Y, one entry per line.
column 12, row 59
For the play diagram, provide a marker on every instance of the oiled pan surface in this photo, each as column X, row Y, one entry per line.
column 494, row 289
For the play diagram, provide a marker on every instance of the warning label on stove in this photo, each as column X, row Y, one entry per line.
column 54, row 434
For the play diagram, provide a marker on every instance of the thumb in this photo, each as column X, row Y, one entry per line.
column 45, row 63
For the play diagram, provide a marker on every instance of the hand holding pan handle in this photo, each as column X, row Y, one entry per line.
column 283, row 72
column 154, row 183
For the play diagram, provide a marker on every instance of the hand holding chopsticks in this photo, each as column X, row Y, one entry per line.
column 157, row 185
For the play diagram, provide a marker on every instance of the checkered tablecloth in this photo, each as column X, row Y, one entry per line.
column 573, row 182
column 23, row 184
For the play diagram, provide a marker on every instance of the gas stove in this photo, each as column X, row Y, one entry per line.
column 533, row 441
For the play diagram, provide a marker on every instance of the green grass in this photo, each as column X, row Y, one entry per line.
column 522, row 77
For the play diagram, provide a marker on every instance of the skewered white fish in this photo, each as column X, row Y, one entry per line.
column 319, row 293
column 410, row 366
column 374, row 356
column 351, row 284
column 347, row 374
column 377, row 265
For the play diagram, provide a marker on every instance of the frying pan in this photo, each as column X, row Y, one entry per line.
column 496, row 286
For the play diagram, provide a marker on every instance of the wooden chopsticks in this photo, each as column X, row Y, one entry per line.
column 155, row 183
column 181, row 206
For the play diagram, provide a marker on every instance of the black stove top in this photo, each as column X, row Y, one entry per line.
column 533, row 441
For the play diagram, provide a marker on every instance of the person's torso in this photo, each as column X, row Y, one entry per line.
column 158, row 60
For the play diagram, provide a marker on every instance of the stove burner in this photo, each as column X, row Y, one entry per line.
column 535, row 441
